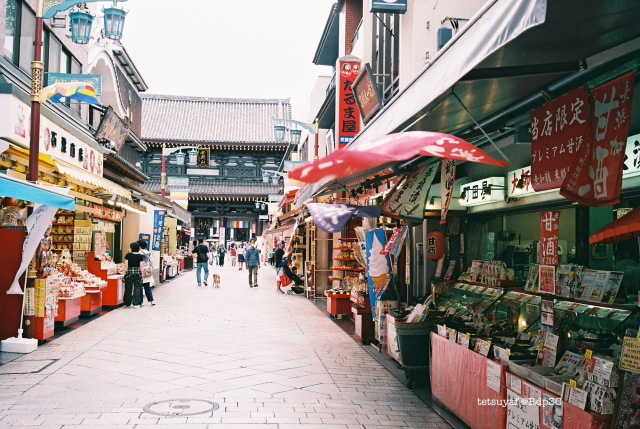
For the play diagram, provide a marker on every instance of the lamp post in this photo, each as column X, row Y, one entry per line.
column 179, row 158
column 46, row 9
column 295, row 134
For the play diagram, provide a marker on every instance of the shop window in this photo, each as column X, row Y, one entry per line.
column 27, row 30
column 54, row 55
column 11, row 28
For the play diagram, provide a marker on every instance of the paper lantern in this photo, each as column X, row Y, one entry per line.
column 435, row 245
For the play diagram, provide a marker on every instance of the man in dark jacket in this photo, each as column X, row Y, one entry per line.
column 252, row 259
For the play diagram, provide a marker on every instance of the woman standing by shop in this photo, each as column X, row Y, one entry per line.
column 147, row 272
column 240, row 252
column 133, row 277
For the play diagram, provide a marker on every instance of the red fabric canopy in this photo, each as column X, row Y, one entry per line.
column 390, row 148
column 628, row 226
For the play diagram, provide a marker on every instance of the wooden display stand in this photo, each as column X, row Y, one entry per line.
column 338, row 304
column 91, row 303
column 68, row 310
column 113, row 293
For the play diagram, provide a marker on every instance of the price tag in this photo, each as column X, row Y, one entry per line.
column 587, row 354
column 572, row 384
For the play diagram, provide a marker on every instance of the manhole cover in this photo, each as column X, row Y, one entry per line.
column 26, row 366
column 181, row 407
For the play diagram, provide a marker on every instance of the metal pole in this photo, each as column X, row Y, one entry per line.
column 37, row 66
column 163, row 175
column 315, row 154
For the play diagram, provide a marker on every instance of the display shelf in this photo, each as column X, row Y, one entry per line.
column 348, row 239
column 347, row 268
column 344, row 259
column 61, row 224
column 343, row 248
column 62, row 241
column 628, row 307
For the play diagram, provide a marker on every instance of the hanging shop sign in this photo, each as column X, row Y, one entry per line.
column 395, row 242
column 549, row 223
column 595, row 177
column 107, row 213
column 408, row 200
column 95, row 80
column 112, row 129
column 347, row 114
column 435, row 245
column 389, row 6
column 558, row 132
column 447, row 178
column 204, row 157
column 145, row 237
column 158, row 227
column 367, row 92
column 474, row 192
column 333, row 217
column 514, row 177
column 179, row 190
column 54, row 140
column 378, row 266
column 632, row 157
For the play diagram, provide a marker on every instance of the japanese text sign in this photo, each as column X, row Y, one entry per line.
column 395, row 242
column 474, row 191
column 107, row 213
column 447, row 177
column 158, row 226
column 595, row 177
column 558, row 131
column 367, row 94
column 348, row 115
column 435, row 245
column 547, row 279
column 549, row 223
column 514, row 177
column 409, row 200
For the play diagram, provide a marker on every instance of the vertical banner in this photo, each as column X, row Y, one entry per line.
column 179, row 190
column 158, row 226
column 409, row 200
column 595, row 177
column 37, row 225
column 558, row 132
column 548, row 251
column 447, row 177
column 378, row 266
column 347, row 114
column 289, row 247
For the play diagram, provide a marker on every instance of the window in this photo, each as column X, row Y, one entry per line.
column 54, row 55
column 76, row 68
column 385, row 52
column 27, row 30
column 11, row 26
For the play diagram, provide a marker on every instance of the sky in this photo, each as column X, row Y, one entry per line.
column 224, row 48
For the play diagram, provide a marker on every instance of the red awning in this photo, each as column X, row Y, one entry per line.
column 390, row 149
column 624, row 228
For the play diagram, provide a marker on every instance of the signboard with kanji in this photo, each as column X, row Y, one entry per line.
column 549, row 222
column 348, row 117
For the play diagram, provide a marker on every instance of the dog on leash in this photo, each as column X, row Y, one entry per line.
column 216, row 280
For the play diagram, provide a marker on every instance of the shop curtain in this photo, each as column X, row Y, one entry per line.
column 476, row 240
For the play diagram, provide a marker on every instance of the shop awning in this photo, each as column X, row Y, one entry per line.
column 92, row 179
column 23, row 190
column 624, row 228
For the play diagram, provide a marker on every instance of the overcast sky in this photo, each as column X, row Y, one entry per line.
column 224, row 48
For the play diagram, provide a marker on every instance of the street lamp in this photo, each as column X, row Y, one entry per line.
column 272, row 175
column 47, row 9
column 193, row 156
column 294, row 134
column 261, row 205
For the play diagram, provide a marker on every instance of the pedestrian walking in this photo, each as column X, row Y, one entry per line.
column 252, row 258
column 221, row 255
column 133, row 276
column 278, row 254
column 147, row 272
column 202, row 255
column 214, row 254
column 234, row 255
column 240, row 253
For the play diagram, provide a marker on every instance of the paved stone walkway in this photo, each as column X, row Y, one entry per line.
column 266, row 359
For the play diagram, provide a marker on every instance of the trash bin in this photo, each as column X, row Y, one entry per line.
column 413, row 343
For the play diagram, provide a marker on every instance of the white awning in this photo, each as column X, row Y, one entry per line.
column 92, row 179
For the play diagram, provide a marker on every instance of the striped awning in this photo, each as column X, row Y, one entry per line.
column 92, row 179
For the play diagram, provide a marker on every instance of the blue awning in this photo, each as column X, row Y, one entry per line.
column 23, row 190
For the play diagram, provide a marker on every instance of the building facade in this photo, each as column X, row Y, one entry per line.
column 232, row 143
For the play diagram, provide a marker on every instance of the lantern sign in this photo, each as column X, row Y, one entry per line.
column 113, row 22
column 348, row 116
column 80, row 22
column 435, row 245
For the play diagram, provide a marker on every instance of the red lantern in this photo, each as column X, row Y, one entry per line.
column 435, row 245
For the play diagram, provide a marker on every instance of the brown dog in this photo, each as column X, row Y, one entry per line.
column 216, row 280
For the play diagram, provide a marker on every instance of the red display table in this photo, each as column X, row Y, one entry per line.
column 338, row 303
column 11, row 257
column 573, row 417
column 68, row 310
column 459, row 379
column 43, row 327
column 91, row 303
column 113, row 293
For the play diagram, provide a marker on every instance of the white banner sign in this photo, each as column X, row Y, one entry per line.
column 475, row 195
column 447, row 176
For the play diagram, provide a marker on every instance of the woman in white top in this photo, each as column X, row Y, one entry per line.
column 240, row 254
column 147, row 272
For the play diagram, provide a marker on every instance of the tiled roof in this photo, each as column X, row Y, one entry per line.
column 200, row 119
column 219, row 188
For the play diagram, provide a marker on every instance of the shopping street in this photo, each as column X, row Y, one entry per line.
column 266, row 359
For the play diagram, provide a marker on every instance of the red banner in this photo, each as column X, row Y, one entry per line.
column 558, row 131
column 348, row 114
column 447, row 176
column 595, row 177
column 548, row 251
column 107, row 213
